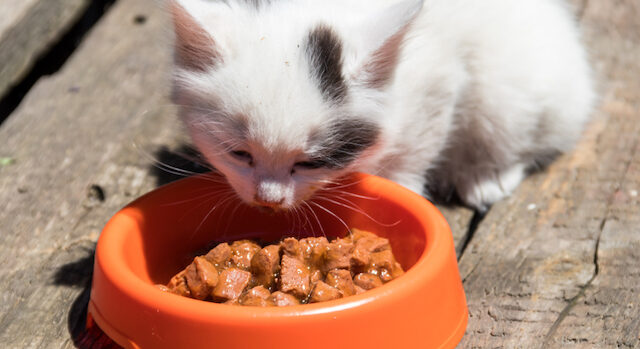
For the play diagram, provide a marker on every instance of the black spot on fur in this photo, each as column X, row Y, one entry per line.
column 345, row 141
column 258, row 4
column 324, row 51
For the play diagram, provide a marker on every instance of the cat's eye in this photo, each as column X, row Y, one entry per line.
column 309, row 165
column 242, row 156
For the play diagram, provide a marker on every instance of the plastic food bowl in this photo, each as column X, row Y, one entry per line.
column 158, row 235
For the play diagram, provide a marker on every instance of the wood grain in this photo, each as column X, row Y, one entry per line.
column 80, row 146
column 607, row 313
column 72, row 138
column 27, row 29
column 459, row 219
column 556, row 265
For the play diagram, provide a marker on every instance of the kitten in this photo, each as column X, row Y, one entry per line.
column 449, row 96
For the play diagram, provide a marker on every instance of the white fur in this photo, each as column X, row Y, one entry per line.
column 507, row 75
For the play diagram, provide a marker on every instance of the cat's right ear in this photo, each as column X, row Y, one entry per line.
column 379, row 37
column 195, row 48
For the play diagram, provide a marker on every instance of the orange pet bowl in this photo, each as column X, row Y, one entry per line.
column 157, row 235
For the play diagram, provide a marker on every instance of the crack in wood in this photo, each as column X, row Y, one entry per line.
column 574, row 301
column 55, row 57
column 473, row 226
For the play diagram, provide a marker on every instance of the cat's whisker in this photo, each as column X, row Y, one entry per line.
column 207, row 202
column 228, row 147
column 214, row 197
column 307, row 222
column 291, row 218
column 306, row 204
column 327, row 181
column 356, row 209
column 304, row 224
column 196, row 158
column 345, row 185
column 331, row 213
column 238, row 205
column 218, row 204
column 175, row 105
column 195, row 198
column 161, row 165
column 205, row 123
column 348, row 193
column 214, row 176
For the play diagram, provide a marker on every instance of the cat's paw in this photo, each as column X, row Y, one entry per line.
column 484, row 193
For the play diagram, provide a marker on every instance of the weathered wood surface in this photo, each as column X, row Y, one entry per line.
column 75, row 132
column 91, row 129
column 555, row 265
column 27, row 29
column 458, row 219
column 558, row 264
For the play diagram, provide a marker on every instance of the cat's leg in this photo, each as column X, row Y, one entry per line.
column 481, row 191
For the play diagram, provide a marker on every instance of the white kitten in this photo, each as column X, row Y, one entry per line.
column 453, row 96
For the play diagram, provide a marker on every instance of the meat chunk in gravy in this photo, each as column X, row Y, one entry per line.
column 322, row 292
column 341, row 279
column 201, row 277
column 367, row 281
column 291, row 272
column 231, row 284
column 257, row 297
column 294, row 277
column 281, row 299
column 265, row 265
column 338, row 255
column 242, row 252
column 219, row 255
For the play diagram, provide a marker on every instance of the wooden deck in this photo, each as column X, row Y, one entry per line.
column 556, row 265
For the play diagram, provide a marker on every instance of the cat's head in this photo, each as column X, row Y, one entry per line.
column 284, row 96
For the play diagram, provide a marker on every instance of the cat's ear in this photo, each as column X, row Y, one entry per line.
column 381, row 36
column 194, row 48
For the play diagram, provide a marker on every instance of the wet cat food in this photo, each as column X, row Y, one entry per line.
column 308, row 270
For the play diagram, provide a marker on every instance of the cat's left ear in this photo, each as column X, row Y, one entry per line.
column 381, row 35
column 194, row 48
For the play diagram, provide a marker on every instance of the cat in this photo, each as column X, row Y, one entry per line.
column 445, row 97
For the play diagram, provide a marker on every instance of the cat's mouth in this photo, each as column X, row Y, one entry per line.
column 268, row 209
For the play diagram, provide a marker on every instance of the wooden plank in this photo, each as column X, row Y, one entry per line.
column 557, row 264
column 459, row 219
column 27, row 30
column 73, row 134
column 607, row 313
column 76, row 150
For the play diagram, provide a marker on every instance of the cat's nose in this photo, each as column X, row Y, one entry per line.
column 269, row 193
column 267, row 202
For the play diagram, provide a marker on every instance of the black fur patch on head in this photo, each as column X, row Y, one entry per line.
column 258, row 4
column 324, row 51
column 345, row 141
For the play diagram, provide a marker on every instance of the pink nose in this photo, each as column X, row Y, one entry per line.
column 267, row 202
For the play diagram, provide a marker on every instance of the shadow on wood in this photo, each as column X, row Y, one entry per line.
column 171, row 165
column 79, row 274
